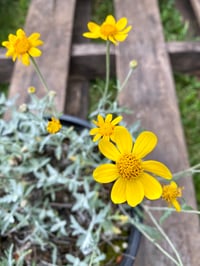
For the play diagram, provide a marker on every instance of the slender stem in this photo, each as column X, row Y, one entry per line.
column 157, row 208
column 37, row 70
column 148, row 237
column 126, row 79
column 187, row 171
column 107, row 68
column 164, row 235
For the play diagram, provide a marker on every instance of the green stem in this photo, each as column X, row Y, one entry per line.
column 187, row 171
column 157, row 208
column 107, row 68
column 126, row 79
column 164, row 235
column 37, row 70
column 148, row 237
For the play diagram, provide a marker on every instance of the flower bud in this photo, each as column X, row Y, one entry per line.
column 133, row 64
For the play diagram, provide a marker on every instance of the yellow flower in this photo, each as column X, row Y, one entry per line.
column 31, row 90
column 22, row 47
column 110, row 29
column 53, row 126
column 170, row 193
column 105, row 128
column 131, row 173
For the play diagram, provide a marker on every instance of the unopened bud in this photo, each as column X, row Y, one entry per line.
column 31, row 90
column 52, row 94
column 23, row 108
column 133, row 64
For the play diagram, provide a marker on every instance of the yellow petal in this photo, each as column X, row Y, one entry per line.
column 173, row 184
column 35, row 52
column 12, row 37
column 5, row 43
column 107, row 138
column 144, row 144
column 134, row 193
column 20, row 33
column 121, row 37
column 94, row 131
column 34, row 36
column 10, row 52
column 110, row 20
column 123, row 139
column 103, row 37
column 112, row 137
column 93, row 27
column 121, row 23
column 125, row 31
column 118, row 193
column 110, row 39
column 152, row 188
column 25, row 59
column 91, row 35
column 97, row 137
column 109, row 150
column 116, row 120
column 36, row 43
column 105, row 173
column 100, row 120
column 108, row 118
column 14, row 57
column 176, row 205
column 157, row 168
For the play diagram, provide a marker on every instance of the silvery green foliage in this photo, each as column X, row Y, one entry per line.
column 47, row 193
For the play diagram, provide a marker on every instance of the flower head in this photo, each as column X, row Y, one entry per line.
column 110, row 29
column 22, row 47
column 105, row 128
column 31, row 90
column 170, row 194
column 131, row 174
column 54, row 125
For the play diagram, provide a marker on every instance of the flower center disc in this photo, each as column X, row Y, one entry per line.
column 106, row 129
column 170, row 193
column 108, row 30
column 129, row 167
column 22, row 46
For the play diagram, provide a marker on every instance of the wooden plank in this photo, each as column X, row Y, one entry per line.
column 184, row 56
column 78, row 85
column 77, row 96
column 196, row 8
column 54, row 20
column 85, row 57
column 151, row 95
column 188, row 16
column 6, row 67
column 81, row 54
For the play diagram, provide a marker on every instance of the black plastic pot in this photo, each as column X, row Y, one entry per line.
column 135, row 235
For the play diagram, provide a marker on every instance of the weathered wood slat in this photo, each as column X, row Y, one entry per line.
column 85, row 57
column 81, row 54
column 196, row 8
column 151, row 95
column 6, row 67
column 184, row 56
column 54, row 20
column 78, row 85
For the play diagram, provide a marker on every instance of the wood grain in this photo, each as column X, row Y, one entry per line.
column 151, row 95
column 184, row 56
column 6, row 67
column 54, row 20
column 196, row 8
